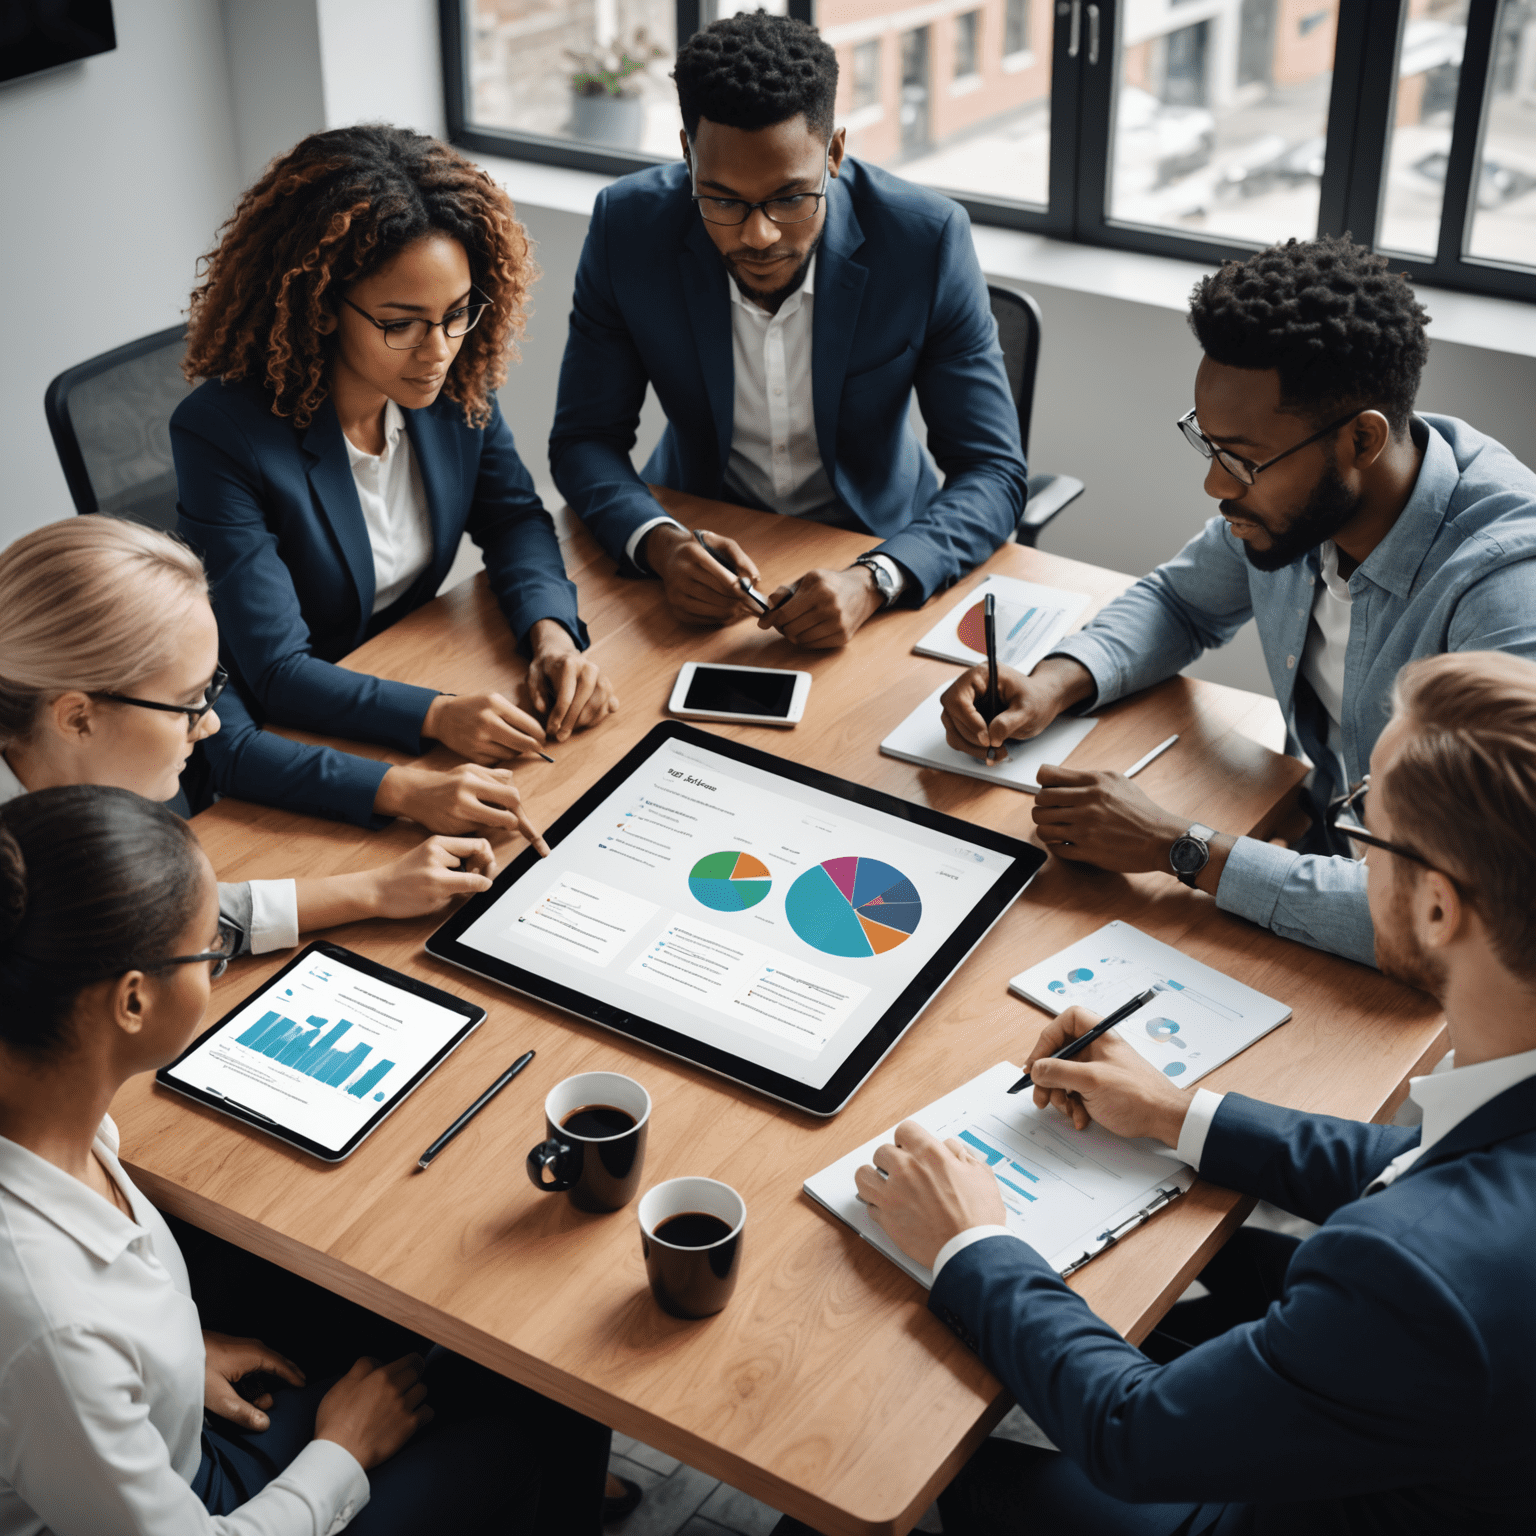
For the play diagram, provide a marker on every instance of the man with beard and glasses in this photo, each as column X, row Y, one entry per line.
column 1355, row 533
column 784, row 302
column 1377, row 1376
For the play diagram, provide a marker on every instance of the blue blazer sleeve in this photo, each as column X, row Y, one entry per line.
column 517, row 537
column 1310, row 1165
column 973, row 427
column 602, row 388
column 1322, row 1399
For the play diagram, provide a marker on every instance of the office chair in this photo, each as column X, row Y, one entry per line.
column 1018, row 333
column 111, row 418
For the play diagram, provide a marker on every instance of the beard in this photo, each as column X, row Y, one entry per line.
column 1328, row 509
column 1401, row 956
column 770, row 299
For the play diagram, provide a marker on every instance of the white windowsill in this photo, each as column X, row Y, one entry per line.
column 963, row 85
column 1499, row 325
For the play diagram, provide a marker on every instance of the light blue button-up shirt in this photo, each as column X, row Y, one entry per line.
column 1456, row 573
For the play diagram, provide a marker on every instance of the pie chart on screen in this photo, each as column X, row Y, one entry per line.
column 853, row 907
column 729, row 882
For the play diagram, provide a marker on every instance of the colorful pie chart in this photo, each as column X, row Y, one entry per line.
column 729, row 882
column 853, row 907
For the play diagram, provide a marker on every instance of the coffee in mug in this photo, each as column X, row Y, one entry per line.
column 594, row 1147
column 691, row 1235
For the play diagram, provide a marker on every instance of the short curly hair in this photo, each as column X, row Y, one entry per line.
column 1339, row 328
column 332, row 211
column 754, row 70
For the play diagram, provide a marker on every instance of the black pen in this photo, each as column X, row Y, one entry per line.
column 474, row 1109
column 744, row 582
column 1103, row 1027
column 992, row 707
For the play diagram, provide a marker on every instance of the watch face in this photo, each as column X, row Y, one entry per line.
column 1188, row 856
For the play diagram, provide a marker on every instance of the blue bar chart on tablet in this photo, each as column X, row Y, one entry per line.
column 316, row 1051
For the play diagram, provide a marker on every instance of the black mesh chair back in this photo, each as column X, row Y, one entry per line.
column 1018, row 333
column 111, row 424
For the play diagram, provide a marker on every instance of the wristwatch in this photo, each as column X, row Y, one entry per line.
column 1191, row 852
column 887, row 576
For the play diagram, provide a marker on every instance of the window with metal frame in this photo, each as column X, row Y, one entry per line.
column 1191, row 128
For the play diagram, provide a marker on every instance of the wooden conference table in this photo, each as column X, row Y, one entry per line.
column 825, row 1389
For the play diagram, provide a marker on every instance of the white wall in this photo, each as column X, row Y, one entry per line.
column 114, row 174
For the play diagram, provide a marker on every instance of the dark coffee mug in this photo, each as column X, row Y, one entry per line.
column 690, row 1233
column 599, row 1160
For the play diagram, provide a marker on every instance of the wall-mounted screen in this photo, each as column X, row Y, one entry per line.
column 41, row 34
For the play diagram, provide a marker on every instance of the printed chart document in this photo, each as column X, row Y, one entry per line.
column 1030, row 620
column 1067, row 1192
column 920, row 739
column 1198, row 1019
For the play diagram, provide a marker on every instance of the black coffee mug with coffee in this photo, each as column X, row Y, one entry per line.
column 691, row 1234
column 596, row 1125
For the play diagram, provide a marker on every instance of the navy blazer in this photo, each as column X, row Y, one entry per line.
column 273, row 510
column 900, row 303
column 1391, row 1389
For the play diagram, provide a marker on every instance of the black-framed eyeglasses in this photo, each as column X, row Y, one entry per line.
column 218, row 958
column 794, row 209
column 407, row 335
column 1346, row 815
column 194, row 712
column 1245, row 471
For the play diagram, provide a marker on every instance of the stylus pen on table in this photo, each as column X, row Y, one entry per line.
column 474, row 1109
column 1103, row 1027
column 992, row 706
column 744, row 582
column 1152, row 756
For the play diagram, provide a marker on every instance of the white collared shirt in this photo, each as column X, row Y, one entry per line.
column 394, row 503
column 1322, row 660
column 1446, row 1098
column 101, row 1374
column 274, row 915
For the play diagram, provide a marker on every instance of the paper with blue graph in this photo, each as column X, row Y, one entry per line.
column 1030, row 620
column 1198, row 1019
column 1069, row 1194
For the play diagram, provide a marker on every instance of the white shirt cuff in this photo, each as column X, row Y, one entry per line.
column 632, row 547
column 1197, row 1126
column 964, row 1239
column 274, row 915
column 326, row 1478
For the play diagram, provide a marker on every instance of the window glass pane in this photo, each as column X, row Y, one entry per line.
column 1221, row 111
column 952, row 94
column 1504, row 223
column 594, row 71
column 1419, row 146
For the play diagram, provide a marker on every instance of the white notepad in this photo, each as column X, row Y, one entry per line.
column 920, row 739
column 1198, row 1019
column 1030, row 620
column 1069, row 1194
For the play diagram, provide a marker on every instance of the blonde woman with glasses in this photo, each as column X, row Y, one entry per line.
column 109, row 675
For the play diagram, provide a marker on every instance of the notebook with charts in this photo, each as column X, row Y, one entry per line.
column 1069, row 1194
column 1030, row 620
column 1198, row 1020
column 920, row 739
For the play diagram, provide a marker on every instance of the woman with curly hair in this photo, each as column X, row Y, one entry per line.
column 351, row 329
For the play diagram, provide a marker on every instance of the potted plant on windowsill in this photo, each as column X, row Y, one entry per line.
column 605, row 92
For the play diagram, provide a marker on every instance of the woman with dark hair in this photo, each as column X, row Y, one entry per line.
column 109, row 942
column 352, row 328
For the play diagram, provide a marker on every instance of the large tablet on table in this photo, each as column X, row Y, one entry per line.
column 774, row 924
column 321, row 1053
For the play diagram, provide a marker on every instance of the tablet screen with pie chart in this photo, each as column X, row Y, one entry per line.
column 765, row 920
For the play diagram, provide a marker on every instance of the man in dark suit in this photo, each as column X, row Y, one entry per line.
column 784, row 302
column 1385, row 1378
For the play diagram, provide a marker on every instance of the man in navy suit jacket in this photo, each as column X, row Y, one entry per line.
column 784, row 303
column 1390, row 1384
